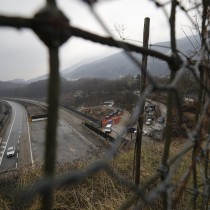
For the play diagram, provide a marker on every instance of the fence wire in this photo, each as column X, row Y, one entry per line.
column 53, row 28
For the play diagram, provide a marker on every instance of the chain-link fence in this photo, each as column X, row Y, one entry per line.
column 53, row 28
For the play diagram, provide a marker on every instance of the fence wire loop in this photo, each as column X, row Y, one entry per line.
column 163, row 169
column 54, row 29
column 50, row 26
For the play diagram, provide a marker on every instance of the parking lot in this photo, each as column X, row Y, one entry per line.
column 155, row 114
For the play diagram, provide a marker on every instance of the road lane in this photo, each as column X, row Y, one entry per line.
column 16, row 135
column 70, row 145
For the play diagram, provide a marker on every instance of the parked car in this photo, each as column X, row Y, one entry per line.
column 150, row 107
column 161, row 120
column 115, row 113
column 10, row 152
column 149, row 122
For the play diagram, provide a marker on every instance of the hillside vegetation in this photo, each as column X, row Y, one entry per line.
column 93, row 91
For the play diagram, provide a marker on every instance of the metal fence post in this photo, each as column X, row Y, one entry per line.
column 138, row 143
column 53, row 35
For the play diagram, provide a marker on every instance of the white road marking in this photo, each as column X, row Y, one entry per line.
column 17, row 154
column 18, row 140
column 16, row 165
column 29, row 139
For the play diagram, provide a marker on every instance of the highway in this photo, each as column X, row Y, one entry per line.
column 17, row 135
column 73, row 141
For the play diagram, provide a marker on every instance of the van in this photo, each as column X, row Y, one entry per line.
column 108, row 128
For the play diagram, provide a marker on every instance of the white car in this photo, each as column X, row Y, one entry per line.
column 149, row 122
column 10, row 152
column 145, row 132
column 108, row 128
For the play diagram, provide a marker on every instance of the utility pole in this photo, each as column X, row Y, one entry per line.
column 138, row 143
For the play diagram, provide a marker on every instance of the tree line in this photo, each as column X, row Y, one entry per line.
column 94, row 91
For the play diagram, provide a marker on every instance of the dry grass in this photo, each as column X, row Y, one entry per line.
column 98, row 192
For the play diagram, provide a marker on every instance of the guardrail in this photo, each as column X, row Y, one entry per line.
column 86, row 117
column 90, row 119
column 30, row 101
column 6, row 118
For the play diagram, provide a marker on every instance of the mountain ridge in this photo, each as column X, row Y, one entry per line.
column 119, row 65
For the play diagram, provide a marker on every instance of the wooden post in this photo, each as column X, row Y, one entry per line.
column 137, row 152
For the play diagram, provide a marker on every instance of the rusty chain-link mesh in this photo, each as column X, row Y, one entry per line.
column 53, row 28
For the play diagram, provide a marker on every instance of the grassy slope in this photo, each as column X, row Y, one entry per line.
column 98, row 192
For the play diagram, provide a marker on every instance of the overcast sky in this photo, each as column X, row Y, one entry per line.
column 23, row 56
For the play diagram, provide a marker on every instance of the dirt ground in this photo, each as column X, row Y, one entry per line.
column 98, row 112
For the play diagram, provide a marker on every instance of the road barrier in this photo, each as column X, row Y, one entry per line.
column 99, row 132
column 37, row 117
column 112, row 119
column 92, row 120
